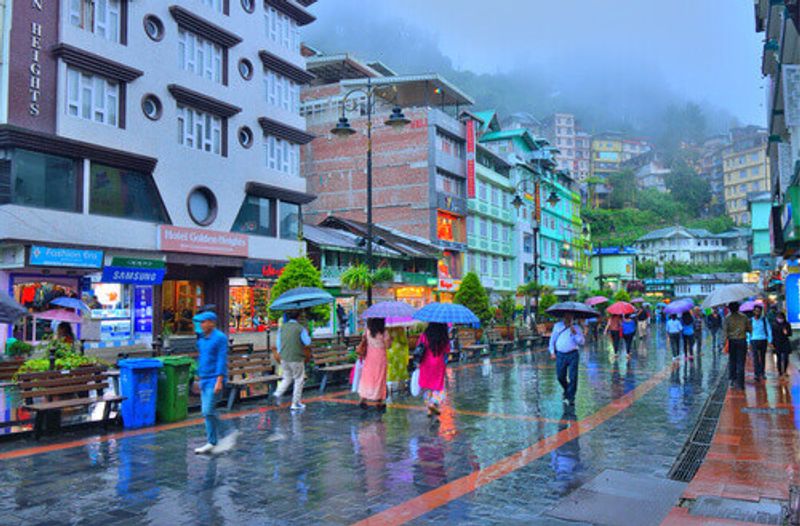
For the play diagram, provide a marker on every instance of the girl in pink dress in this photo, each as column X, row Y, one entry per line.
column 372, row 385
column 436, row 346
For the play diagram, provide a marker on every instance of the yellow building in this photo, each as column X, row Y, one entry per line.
column 746, row 170
column 606, row 154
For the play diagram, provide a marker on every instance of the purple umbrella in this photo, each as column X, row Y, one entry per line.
column 59, row 315
column 748, row 306
column 637, row 300
column 679, row 307
column 596, row 300
column 389, row 309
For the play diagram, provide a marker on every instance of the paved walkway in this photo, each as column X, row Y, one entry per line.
column 505, row 452
column 753, row 459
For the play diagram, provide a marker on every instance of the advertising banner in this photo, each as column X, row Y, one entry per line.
column 792, row 287
column 470, row 159
column 199, row 241
column 65, row 257
column 133, row 276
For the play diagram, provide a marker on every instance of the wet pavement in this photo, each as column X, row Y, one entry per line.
column 505, row 451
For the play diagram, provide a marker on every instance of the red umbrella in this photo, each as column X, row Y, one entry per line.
column 596, row 300
column 622, row 308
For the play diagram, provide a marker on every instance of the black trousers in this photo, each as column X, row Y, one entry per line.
column 759, row 350
column 615, row 341
column 628, row 342
column 737, row 355
column 688, row 344
column 783, row 361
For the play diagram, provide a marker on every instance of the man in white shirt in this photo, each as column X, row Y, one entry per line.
column 566, row 340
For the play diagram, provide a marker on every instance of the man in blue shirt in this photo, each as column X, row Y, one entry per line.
column 565, row 341
column 212, row 368
column 760, row 337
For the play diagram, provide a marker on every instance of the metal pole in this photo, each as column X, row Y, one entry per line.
column 370, row 263
column 536, row 268
column 600, row 262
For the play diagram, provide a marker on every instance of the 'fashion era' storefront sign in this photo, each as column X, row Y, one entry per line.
column 199, row 241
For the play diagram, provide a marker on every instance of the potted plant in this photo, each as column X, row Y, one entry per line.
column 504, row 315
column 545, row 325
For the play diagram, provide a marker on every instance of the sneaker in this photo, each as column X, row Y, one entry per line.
column 276, row 399
column 227, row 443
column 298, row 407
column 204, row 449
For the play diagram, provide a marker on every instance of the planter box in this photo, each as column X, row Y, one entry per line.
column 545, row 329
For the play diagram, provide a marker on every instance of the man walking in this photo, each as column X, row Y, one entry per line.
column 735, row 330
column 565, row 341
column 760, row 337
column 293, row 339
column 714, row 324
column 212, row 368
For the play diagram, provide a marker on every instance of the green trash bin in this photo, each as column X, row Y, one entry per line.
column 173, row 388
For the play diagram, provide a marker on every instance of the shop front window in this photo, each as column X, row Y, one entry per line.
column 241, row 306
column 110, row 305
column 42, row 180
column 450, row 227
column 256, row 217
column 181, row 300
column 124, row 193
column 289, row 220
column 36, row 295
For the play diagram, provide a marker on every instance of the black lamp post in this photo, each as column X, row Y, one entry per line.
column 611, row 229
column 343, row 129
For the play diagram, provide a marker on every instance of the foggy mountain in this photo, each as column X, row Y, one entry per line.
column 630, row 96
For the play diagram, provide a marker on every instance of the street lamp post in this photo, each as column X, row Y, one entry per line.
column 601, row 278
column 343, row 129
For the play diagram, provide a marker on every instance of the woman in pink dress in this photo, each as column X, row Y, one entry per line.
column 372, row 384
column 432, row 367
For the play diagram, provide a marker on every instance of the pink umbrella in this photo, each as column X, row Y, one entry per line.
column 59, row 315
column 748, row 306
column 637, row 300
column 596, row 300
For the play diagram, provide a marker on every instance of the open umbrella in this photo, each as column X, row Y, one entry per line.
column 579, row 310
column 59, row 315
column 389, row 309
column 10, row 310
column 401, row 322
column 446, row 313
column 621, row 308
column 637, row 300
column 728, row 294
column 70, row 303
column 748, row 306
column 301, row 298
column 679, row 307
column 596, row 300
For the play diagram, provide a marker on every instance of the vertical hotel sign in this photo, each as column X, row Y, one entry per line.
column 470, row 159
column 537, row 199
column 32, row 71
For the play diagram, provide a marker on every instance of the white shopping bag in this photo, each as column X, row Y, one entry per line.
column 415, row 390
column 356, row 375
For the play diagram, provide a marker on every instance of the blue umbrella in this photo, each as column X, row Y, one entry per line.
column 301, row 298
column 446, row 313
column 70, row 303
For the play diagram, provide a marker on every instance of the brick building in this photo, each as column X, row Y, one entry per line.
column 419, row 171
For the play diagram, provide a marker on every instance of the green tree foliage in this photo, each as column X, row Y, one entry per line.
column 545, row 302
column 300, row 272
column 473, row 296
column 505, row 310
column 622, row 295
column 646, row 269
column 358, row 277
column 715, row 225
column 687, row 187
column 623, row 189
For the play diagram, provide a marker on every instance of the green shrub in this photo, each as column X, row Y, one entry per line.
column 545, row 302
column 19, row 348
column 622, row 295
column 300, row 272
column 505, row 310
column 473, row 296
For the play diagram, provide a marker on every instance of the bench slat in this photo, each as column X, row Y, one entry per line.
column 73, row 402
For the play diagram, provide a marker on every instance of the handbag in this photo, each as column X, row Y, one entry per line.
column 414, row 384
column 355, row 376
column 361, row 349
column 725, row 347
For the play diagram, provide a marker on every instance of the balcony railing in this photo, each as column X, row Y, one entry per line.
column 332, row 276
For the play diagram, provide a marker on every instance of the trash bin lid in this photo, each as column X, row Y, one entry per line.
column 176, row 361
column 140, row 363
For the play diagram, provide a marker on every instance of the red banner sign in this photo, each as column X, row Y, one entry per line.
column 538, row 203
column 471, row 159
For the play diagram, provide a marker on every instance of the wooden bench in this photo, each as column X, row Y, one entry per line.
column 9, row 368
column 525, row 338
column 330, row 359
column 468, row 344
column 245, row 371
column 496, row 340
column 50, row 392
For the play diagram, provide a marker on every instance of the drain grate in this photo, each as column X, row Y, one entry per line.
column 694, row 451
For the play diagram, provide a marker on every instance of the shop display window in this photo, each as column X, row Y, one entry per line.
column 181, row 300
column 36, row 295
column 241, row 309
column 450, row 227
column 110, row 303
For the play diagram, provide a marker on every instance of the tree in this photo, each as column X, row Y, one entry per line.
column 506, row 308
column 622, row 295
column 358, row 277
column 473, row 296
column 300, row 272
column 687, row 187
column 545, row 302
column 623, row 189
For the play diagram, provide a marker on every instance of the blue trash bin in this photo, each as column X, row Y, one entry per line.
column 138, row 383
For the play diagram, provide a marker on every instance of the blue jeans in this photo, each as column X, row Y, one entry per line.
column 208, row 403
column 567, row 373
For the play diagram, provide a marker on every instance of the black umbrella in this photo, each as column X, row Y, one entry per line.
column 579, row 310
column 10, row 310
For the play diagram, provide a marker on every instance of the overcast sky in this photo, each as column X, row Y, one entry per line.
column 706, row 50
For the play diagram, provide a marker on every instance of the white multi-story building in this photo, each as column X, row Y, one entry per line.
column 693, row 245
column 101, row 199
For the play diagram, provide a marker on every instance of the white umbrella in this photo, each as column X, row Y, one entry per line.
column 728, row 294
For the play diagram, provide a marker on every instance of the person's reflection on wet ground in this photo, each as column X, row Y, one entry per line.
column 565, row 461
column 372, row 446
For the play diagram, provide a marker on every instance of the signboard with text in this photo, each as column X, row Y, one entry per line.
column 471, row 159
column 133, row 276
column 199, row 241
column 263, row 268
column 142, row 311
column 42, row 256
column 792, row 290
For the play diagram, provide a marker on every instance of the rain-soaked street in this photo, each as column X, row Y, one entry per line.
column 505, row 452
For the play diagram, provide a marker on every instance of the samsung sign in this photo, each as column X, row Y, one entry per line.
column 133, row 276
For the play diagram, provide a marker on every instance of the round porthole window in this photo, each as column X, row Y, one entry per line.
column 202, row 206
column 151, row 107
column 153, row 27
column 245, row 137
column 246, row 69
column 249, row 5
